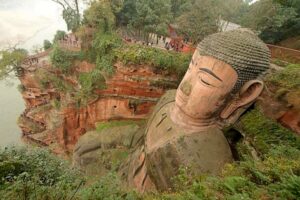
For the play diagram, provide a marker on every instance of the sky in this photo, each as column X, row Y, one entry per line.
column 29, row 22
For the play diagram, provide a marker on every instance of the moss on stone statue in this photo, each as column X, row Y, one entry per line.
column 97, row 152
column 117, row 123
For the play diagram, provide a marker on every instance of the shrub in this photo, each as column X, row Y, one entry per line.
column 61, row 59
column 35, row 174
column 171, row 62
column 47, row 44
column 59, row 35
column 104, row 44
column 288, row 78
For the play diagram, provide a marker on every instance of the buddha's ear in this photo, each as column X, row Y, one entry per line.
column 247, row 95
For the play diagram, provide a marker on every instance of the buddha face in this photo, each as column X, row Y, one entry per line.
column 205, row 87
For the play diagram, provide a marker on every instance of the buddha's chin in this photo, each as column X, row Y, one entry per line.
column 181, row 99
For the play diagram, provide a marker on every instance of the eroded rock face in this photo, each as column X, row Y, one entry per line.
column 284, row 108
column 130, row 94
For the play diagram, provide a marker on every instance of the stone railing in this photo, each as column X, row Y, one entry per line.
column 69, row 45
column 286, row 54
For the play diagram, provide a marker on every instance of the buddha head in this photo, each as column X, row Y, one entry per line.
column 222, row 78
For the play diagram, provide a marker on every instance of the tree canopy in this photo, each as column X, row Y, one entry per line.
column 71, row 13
column 275, row 20
column 10, row 61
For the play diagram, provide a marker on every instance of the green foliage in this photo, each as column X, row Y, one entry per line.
column 60, row 59
column 35, row 174
column 109, row 187
column 104, row 125
column 146, row 16
column 63, row 59
column 10, row 61
column 59, row 36
column 162, row 60
column 104, row 44
column 275, row 21
column 200, row 21
column 288, row 78
column 88, row 83
column 265, row 134
column 60, row 84
column 56, row 104
column 72, row 18
column 100, row 15
column 70, row 13
column 47, row 44
column 91, row 80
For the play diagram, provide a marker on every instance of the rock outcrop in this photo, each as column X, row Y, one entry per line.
column 130, row 93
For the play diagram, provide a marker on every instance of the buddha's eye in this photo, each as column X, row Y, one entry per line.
column 206, row 83
column 205, row 80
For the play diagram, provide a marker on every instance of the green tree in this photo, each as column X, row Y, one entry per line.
column 291, row 27
column 47, row 44
column 10, row 61
column 268, row 17
column 152, row 16
column 59, row 35
column 100, row 15
column 127, row 13
column 61, row 59
column 199, row 19
column 71, row 13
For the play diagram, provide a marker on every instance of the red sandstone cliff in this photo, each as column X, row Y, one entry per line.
column 130, row 94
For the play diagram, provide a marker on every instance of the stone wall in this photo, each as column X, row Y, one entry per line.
column 286, row 54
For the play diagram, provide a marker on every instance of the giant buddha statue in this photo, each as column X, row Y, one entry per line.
column 185, row 128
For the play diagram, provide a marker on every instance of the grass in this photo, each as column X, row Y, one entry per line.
column 104, row 125
column 288, row 78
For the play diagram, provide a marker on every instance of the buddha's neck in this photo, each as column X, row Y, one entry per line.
column 188, row 123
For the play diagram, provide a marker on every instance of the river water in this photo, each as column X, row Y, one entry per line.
column 11, row 106
column 27, row 23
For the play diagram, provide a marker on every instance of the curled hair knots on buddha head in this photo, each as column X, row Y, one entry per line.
column 242, row 49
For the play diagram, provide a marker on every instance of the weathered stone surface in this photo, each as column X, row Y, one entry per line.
column 168, row 147
column 129, row 95
column 97, row 152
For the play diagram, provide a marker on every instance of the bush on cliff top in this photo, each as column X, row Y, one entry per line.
column 171, row 62
column 107, row 48
column 63, row 59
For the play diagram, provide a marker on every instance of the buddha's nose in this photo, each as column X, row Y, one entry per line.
column 186, row 88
